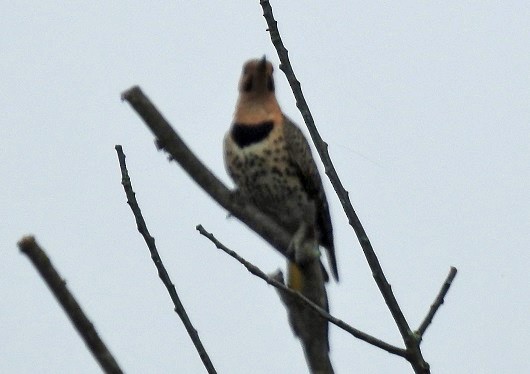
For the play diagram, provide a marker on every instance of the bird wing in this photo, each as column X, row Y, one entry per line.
column 300, row 154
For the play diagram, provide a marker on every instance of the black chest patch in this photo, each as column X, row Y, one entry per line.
column 245, row 135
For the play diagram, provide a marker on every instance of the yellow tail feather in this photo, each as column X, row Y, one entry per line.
column 294, row 276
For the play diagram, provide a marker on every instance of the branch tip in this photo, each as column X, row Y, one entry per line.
column 131, row 92
column 26, row 243
column 437, row 303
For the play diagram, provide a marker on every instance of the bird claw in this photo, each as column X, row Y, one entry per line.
column 305, row 249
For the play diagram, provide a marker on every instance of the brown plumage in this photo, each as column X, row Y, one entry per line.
column 270, row 161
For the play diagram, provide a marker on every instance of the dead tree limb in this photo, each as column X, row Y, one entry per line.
column 28, row 245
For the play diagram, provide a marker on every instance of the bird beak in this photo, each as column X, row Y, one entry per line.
column 262, row 64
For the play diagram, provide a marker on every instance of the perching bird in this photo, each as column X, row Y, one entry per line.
column 270, row 161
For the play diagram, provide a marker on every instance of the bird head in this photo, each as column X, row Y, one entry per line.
column 256, row 79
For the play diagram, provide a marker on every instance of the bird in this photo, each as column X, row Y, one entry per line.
column 269, row 159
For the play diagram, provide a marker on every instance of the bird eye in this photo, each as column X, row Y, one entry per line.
column 270, row 84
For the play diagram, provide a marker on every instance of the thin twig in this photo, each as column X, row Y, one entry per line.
column 57, row 285
column 162, row 273
column 341, row 324
column 437, row 302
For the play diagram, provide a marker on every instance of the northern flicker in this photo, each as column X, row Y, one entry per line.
column 270, row 161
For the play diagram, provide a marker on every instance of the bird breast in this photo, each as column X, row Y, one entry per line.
column 265, row 174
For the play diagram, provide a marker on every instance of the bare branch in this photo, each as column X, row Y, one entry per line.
column 437, row 302
column 411, row 340
column 321, row 147
column 162, row 273
column 57, row 285
column 279, row 285
column 310, row 327
column 169, row 140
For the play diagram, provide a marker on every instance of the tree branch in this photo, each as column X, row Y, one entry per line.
column 57, row 285
column 437, row 302
column 170, row 141
column 322, row 312
column 162, row 273
column 411, row 340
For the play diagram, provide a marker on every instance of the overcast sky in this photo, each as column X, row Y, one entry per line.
column 426, row 109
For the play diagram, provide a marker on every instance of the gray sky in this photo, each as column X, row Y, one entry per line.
column 425, row 107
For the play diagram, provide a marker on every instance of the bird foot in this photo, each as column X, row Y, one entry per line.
column 304, row 247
